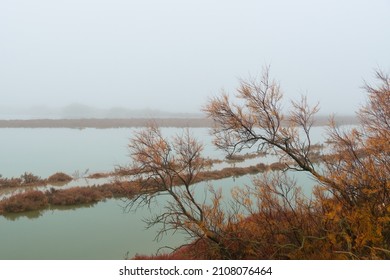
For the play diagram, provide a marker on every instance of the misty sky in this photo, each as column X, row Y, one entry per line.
column 173, row 55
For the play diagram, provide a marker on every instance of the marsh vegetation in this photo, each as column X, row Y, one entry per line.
column 345, row 215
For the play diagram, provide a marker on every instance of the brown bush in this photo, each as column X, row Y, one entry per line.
column 126, row 189
column 28, row 201
column 99, row 175
column 348, row 215
column 30, row 179
column 75, row 196
column 10, row 182
column 277, row 166
column 59, row 177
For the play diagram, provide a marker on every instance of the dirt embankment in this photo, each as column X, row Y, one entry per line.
column 104, row 123
column 138, row 122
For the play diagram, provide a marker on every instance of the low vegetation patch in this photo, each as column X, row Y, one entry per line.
column 38, row 200
column 6, row 183
column 28, row 201
column 76, row 196
column 59, row 177
column 28, row 179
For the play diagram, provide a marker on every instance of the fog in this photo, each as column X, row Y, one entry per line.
column 173, row 55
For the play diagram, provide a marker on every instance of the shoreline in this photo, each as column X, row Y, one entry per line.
column 140, row 122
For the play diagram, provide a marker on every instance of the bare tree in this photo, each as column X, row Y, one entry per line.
column 351, row 207
column 170, row 167
column 348, row 215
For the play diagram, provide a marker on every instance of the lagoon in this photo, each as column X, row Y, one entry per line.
column 45, row 151
column 100, row 231
column 104, row 231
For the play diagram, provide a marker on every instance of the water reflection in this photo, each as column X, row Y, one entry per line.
column 94, row 231
column 38, row 213
column 29, row 215
column 100, row 231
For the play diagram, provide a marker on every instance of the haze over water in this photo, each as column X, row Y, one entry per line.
column 117, row 58
column 173, row 55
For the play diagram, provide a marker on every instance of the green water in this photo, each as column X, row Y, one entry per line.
column 99, row 232
column 102, row 231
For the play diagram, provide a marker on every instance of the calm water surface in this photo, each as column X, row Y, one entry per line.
column 102, row 231
column 44, row 151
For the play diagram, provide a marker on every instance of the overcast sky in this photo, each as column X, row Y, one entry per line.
column 173, row 55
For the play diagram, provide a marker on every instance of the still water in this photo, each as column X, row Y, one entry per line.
column 45, row 151
column 101, row 231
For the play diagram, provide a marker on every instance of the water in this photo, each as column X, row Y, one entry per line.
column 45, row 151
column 102, row 231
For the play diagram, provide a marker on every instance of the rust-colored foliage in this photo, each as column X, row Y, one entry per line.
column 171, row 167
column 75, row 196
column 358, row 219
column 28, row 201
column 348, row 217
column 117, row 189
column 59, row 177
column 37, row 200
column 28, row 179
column 10, row 182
